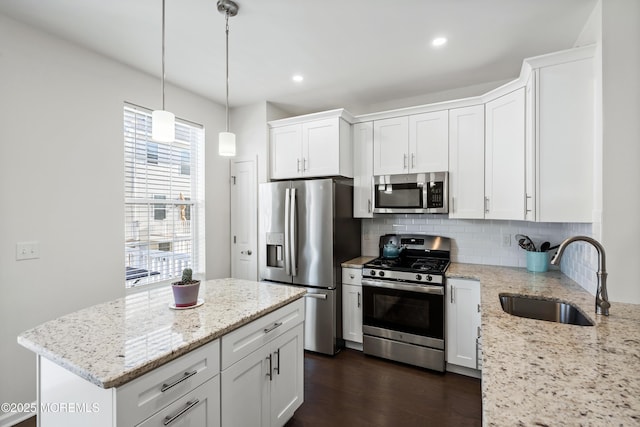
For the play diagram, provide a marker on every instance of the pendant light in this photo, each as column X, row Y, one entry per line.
column 163, row 123
column 227, row 140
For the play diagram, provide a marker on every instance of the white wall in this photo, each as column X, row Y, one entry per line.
column 621, row 146
column 61, row 184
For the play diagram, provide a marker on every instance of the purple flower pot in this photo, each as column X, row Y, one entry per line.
column 185, row 295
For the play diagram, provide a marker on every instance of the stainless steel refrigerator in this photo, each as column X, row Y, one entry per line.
column 306, row 231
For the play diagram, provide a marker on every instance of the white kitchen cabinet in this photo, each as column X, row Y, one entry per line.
column 561, row 116
column 411, row 144
column 186, row 388
column 466, row 162
column 505, row 157
column 463, row 323
column 267, row 386
column 391, row 146
column 429, row 142
column 286, row 151
column 352, row 307
column 311, row 146
column 363, row 170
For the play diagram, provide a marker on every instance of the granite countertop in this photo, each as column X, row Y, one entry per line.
column 112, row 343
column 357, row 262
column 546, row 373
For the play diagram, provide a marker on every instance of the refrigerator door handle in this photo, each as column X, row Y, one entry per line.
column 287, row 220
column 293, row 234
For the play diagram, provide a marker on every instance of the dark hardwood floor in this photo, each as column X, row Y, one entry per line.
column 351, row 389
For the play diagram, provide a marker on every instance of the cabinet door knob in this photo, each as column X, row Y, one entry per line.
column 246, row 252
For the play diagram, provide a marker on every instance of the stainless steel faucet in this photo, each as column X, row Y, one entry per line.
column 602, row 299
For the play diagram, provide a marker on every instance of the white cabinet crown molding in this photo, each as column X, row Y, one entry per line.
column 339, row 112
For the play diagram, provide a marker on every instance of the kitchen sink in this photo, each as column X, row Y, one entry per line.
column 543, row 309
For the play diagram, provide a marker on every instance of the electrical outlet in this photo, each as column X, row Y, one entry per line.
column 27, row 250
column 506, row 240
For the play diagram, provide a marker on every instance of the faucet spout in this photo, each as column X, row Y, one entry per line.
column 602, row 298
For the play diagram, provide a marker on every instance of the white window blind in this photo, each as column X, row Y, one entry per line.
column 164, row 200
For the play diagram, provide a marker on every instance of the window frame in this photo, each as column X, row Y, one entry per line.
column 143, row 204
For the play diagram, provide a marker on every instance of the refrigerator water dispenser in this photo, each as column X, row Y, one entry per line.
column 275, row 250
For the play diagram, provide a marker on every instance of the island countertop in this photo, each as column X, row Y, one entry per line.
column 545, row 373
column 112, row 343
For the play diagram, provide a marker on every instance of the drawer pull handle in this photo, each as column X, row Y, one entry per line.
column 186, row 375
column 269, row 329
column 190, row 404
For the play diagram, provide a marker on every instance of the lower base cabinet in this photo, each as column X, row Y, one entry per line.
column 463, row 324
column 267, row 386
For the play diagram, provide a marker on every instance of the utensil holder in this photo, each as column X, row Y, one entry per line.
column 537, row 262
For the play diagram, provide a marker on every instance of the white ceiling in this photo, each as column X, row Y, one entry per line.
column 352, row 53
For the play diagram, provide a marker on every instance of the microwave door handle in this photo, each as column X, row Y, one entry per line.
column 293, row 234
column 287, row 220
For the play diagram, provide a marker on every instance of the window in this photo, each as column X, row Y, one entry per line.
column 164, row 200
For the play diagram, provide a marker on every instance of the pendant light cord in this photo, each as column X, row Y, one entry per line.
column 227, row 60
column 163, row 74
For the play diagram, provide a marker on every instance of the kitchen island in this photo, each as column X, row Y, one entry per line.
column 545, row 373
column 116, row 352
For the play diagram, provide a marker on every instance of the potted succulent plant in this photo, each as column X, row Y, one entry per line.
column 185, row 292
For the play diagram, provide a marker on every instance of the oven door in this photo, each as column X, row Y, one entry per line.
column 412, row 310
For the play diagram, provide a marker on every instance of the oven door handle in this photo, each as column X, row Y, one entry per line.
column 425, row 289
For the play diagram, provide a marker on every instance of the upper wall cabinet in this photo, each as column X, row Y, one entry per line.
column 561, row 120
column 309, row 146
column 362, row 170
column 411, row 144
column 504, row 183
column 466, row 162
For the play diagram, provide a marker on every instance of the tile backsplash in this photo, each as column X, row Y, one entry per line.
column 476, row 241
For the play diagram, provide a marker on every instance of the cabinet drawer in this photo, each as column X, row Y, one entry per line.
column 239, row 343
column 144, row 396
column 200, row 407
column 352, row 276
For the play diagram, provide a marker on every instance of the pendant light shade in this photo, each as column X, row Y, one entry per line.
column 163, row 126
column 163, row 123
column 227, row 144
column 227, row 140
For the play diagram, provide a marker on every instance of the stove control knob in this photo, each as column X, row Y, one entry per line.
column 429, row 278
column 373, row 272
column 418, row 276
column 381, row 274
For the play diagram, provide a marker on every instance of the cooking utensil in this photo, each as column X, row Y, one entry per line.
column 544, row 247
column 391, row 250
column 553, row 247
column 526, row 243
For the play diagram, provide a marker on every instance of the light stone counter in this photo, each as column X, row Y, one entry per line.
column 357, row 262
column 546, row 373
column 112, row 343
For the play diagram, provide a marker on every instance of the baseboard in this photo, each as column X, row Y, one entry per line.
column 353, row 345
column 463, row 370
column 10, row 419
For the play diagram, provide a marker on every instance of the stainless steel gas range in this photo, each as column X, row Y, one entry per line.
column 404, row 300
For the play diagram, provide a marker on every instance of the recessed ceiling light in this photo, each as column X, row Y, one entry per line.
column 297, row 78
column 439, row 41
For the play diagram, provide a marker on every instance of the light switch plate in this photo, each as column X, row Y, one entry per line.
column 27, row 250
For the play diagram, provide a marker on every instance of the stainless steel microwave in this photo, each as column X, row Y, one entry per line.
column 411, row 193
